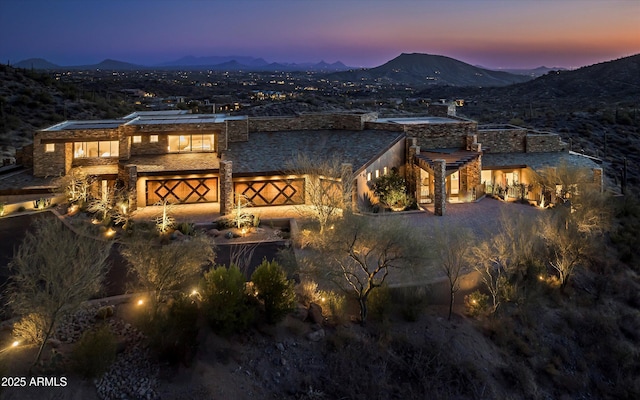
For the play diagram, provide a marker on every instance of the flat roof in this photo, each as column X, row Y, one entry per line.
column 271, row 152
column 184, row 119
column 419, row 120
column 88, row 124
column 155, row 113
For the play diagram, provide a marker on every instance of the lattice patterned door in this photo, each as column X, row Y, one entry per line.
column 196, row 190
column 273, row 192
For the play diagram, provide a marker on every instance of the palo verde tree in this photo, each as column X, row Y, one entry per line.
column 54, row 271
column 160, row 268
column 361, row 252
column 452, row 248
column 328, row 186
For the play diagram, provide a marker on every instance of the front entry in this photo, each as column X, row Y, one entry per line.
column 195, row 190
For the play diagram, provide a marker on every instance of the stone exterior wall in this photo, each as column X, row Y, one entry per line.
column 226, row 187
column 442, row 110
column 503, row 140
column 128, row 174
column 438, row 136
column 544, row 143
column 163, row 131
column 237, row 131
column 59, row 161
column 384, row 126
column 310, row 122
column 440, row 179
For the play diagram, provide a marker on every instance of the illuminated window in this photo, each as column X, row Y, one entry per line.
column 185, row 143
column 385, row 171
column 107, row 148
column 377, row 173
column 50, row 147
column 368, row 176
column 137, row 139
column 153, row 138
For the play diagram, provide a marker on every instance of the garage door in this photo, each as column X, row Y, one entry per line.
column 197, row 190
column 273, row 192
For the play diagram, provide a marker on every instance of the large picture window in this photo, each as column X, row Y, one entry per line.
column 192, row 142
column 107, row 148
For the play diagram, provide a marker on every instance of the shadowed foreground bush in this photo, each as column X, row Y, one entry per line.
column 274, row 290
column 227, row 306
column 94, row 352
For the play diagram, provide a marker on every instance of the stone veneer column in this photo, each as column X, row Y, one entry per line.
column 128, row 174
column 226, row 187
column 346, row 175
column 598, row 179
column 412, row 170
column 440, row 195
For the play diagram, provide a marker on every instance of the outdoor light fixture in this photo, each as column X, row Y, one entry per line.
column 15, row 344
column 110, row 232
column 140, row 302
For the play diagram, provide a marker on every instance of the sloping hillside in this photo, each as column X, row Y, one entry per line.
column 32, row 100
column 426, row 69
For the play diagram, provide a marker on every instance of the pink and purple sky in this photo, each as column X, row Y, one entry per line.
column 360, row 33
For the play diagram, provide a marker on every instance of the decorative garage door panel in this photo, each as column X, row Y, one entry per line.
column 272, row 193
column 196, row 190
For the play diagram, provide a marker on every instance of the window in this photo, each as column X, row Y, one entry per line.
column 368, row 176
column 377, row 173
column 137, row 139
column 50, row 147
column 385, row 171
column 153, row 138
column 196, row 142
column 107, row 148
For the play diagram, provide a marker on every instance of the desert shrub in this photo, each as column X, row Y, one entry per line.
column 274, row 290
column 172, row 330
column 333, row 306
column 31, row 328
column 187, row 228
column 380, row 304
column 476, row 303
column 227, row 306
column 307, row 292
column 411, row 301
column 391, row 189
column 94, row 352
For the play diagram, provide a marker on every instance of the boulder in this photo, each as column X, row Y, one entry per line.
column 316, row 336
column 301, row 312
column 105, row 312
column 315, row 313
column 213, row 232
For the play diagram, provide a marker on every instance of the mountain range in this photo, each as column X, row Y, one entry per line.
column 216, row 63
column 412, row 69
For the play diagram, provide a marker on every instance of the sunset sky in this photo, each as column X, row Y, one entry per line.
column 360, row 33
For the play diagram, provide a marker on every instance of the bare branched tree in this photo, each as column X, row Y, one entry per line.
column 164, row 221
column 327, row 186
column 573, row 231
column 453, row 247
column 361, row 253
column 55, row 270
column 162, row 268
column 102, row 205
column 76, row 186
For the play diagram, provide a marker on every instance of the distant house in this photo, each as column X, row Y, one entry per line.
column 192, row 158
